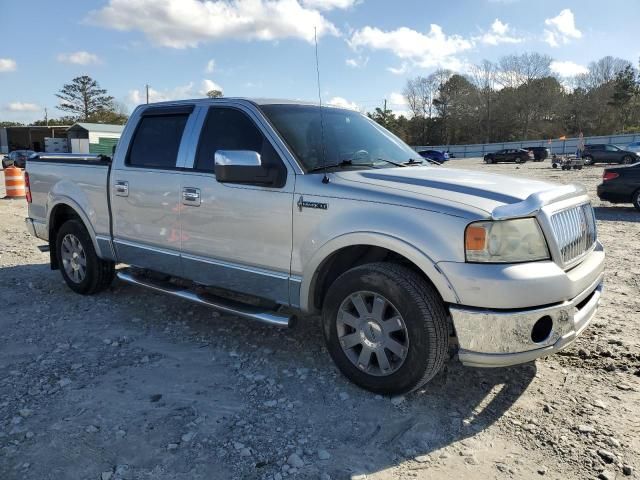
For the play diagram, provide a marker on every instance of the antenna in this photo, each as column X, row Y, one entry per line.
column 325, row 178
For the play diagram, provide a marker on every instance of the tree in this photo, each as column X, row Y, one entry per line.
column 384, row 117
column 214, row 94
column 625, row 89
column 84, row 98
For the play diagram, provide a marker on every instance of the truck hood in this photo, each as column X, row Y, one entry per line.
column 484, row 191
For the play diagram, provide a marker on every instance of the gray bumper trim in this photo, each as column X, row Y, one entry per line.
column 515, row 346
column 36, row 228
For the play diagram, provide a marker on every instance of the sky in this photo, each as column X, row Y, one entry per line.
column 265, row 48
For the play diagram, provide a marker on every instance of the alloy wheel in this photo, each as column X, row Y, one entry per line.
column 372, row 333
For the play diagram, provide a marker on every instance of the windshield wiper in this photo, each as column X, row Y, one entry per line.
column 343, row 163
column 390, row 162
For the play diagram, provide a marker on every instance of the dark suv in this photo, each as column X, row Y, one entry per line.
column 604, row 153
column 518, row 155
column 539, row 153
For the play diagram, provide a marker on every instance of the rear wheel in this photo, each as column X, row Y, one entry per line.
column 636, row 200
column 385, row 328
column 82, row 269
column 588, row 160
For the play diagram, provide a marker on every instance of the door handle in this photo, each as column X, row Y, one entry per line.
column 122, row 188
column 191, row 196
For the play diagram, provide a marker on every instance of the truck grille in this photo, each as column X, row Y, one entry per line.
column 575, row 231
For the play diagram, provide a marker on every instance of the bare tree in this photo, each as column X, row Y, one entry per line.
column 516, row 70
column 484, row 77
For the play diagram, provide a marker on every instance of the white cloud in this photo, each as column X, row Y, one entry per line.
column 7, row 65
column 401, row 70
column 561, row 29
column 208, row 85
column 499, row 33
column 358, row 62
column 433, row 49
column 22, row 107
column 79, row 58
column 329, row 4
column 187, row 23
column 181, row 92
column 211, row 65
column 567, row 68
column 398, row 104
column 343, row 103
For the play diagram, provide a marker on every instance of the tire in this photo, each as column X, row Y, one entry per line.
column 421, row 327
column 636, row 200
column 554, row 165
column 588, row 160
column 96, row 274
column 627, row 160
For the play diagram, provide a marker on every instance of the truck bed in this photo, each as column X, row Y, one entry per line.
column 79, row 180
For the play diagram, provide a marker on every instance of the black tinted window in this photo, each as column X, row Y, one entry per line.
column 156, row 141
column 230, row 129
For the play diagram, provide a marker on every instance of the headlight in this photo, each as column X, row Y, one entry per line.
column 506, row 241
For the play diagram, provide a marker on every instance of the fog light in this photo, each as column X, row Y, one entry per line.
column 542, row 329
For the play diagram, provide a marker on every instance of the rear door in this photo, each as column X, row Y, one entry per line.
column 145, row 191
column 235, row 236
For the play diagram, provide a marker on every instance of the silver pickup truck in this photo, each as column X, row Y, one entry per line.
column 267, row 208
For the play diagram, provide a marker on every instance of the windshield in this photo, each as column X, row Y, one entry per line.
column 350, row 138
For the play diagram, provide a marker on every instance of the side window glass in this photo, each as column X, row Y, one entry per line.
column 156, row 141
column 231, row 129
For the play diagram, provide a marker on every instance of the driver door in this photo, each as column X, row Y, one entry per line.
column 236, row 236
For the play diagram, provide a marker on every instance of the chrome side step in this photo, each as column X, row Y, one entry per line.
column 222, row 304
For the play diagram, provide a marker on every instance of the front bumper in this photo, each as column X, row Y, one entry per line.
column 498, row 338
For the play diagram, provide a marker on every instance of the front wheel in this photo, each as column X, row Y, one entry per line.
column 627, row 160
column 385, row 328
column 82, row 269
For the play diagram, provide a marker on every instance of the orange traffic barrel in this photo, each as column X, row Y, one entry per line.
column 14, row 182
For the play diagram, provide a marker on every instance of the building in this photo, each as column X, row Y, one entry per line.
column 29, row 137
column 96, row 138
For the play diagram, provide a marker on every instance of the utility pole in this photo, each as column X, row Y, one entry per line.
column 385, row 105
column 46, row 117
column 147, row 87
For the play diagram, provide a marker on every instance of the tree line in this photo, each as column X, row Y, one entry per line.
column 517, row 98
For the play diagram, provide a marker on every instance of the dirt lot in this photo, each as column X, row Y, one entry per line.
column 132, row 385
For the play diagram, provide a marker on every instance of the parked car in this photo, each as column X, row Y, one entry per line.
column 539, row 153
column 518, row 155
column 260, row 199
column 435, row 155
column 17, row 158
column 621, row 185
column 605, row 153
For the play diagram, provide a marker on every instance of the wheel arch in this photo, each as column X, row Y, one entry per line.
column 350, row 250
column 61, row 211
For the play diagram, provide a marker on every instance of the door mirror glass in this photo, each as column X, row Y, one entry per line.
column 241, row 166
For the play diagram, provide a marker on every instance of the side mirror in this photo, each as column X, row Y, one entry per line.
column 241, row 166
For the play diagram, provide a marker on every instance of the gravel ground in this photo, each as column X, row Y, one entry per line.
column 133, row 385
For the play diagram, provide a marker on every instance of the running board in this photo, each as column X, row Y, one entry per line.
column 218, row 303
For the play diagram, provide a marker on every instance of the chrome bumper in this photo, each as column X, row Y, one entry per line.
column 498, row 338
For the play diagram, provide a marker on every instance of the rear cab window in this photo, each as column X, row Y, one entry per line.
column 156, row 140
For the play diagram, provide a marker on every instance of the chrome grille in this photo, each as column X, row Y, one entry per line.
column 575, row 231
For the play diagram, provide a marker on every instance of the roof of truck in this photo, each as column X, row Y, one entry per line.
column 257, row 101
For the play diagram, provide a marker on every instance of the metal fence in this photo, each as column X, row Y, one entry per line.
column 567, row 146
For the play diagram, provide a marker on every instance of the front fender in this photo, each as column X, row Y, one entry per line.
column 374, row 239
